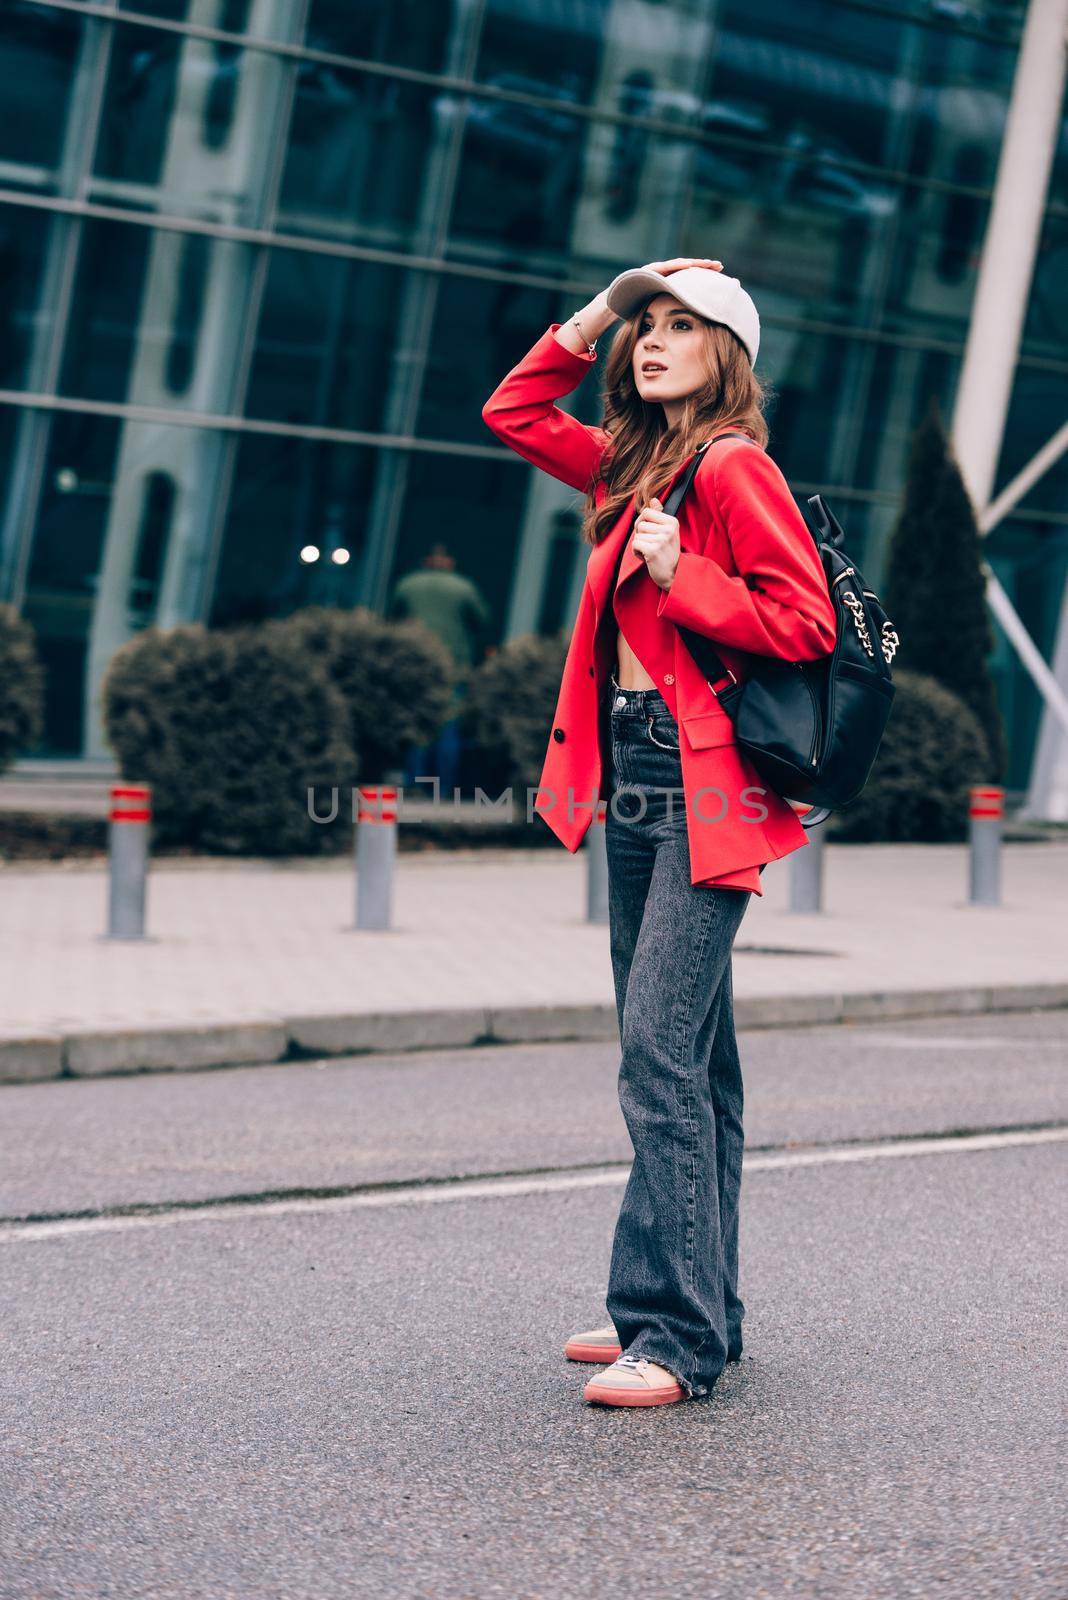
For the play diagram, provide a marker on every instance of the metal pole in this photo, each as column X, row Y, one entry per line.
column 998, row 312
column 376, row 851
column 597, row 867
column 806, row 873
column 986, row 809
column 1007, row 262
column 129, row 816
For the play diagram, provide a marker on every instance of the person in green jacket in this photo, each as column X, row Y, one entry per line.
column 451, row 606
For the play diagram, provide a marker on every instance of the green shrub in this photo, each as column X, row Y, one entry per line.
column 510, row 704
column 230, row 728
column 933, row 750
column 21, row 687
column 396, row 679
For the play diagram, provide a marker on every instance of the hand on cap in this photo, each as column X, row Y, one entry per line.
column 677, row 263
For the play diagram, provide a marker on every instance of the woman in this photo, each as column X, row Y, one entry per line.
column 639, row 738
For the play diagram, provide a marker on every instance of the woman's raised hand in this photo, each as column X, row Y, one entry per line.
column 677, row 263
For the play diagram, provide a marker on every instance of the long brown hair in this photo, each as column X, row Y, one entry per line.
column 645, row 451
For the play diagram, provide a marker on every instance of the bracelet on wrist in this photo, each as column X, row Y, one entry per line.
column 591, row 348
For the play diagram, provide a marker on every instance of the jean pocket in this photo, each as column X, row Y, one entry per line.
column 663, row 733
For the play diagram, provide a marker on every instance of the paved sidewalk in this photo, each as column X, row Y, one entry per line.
column 251, row 961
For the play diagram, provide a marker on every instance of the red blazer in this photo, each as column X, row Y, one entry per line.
column 748, row 577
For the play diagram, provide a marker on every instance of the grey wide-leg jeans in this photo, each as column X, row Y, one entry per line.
column 673, row 1278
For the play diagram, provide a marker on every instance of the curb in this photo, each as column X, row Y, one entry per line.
column 99, row 1053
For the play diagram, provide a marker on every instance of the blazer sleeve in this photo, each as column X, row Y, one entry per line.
column 779, row 604
column 520, row 411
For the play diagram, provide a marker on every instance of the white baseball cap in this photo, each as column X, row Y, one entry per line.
column 711, row 294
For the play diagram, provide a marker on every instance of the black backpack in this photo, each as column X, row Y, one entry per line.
column 811, row 728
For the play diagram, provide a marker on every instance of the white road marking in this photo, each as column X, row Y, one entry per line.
column 979, row 1041
column 505, row 1188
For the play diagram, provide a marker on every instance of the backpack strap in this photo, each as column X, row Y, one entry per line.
column 713, row 669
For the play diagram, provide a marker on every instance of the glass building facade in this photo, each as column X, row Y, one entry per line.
column 263, row 261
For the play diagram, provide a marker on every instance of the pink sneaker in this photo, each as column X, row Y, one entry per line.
column 633, row 1381
column 601, row 1344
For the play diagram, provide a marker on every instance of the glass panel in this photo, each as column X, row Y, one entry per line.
column 1046, row 325
column 37, row 62
column 519, row 195
column 25, row 324
column 73, row 513
column 405, row 33
column 361, row 155
column 154, row 319
column 821, row 242
column 65, row 566
column 122, row 539
column 185, row 126
column 103, row 329
column 474, row 509
column 335, row 343
column 844, row 410
column 1039, row 407
column 135, row 123
column 553, row 50
column 182, row 131
column 480, row 331
column 831, row 83
column 170, row 10
column 289, row 494
column 1030, row 560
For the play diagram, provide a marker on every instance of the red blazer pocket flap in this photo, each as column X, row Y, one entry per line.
column 708, row 728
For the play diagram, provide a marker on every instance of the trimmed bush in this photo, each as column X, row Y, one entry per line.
column 935, row 589
column 21, row 687
column 511, row 701
column 933, row 750
column 396, row 679
column 230, row 728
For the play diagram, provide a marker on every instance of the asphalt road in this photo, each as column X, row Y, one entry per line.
column 356, row 1387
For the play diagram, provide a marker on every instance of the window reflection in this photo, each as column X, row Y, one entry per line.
column 24, row 239
column 358, row 149
column 139, row 98
column 142, row 306
column 186, row 125
column 288, row 493
column 837, row 157
column 153, row 534
column 331, row 342
column 39, row 53
column 65, row 566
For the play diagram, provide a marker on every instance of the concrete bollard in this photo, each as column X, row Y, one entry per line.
column 129, row 815
column 597, row 867
column 376, row 851
column 986, row 811
column 806, row 873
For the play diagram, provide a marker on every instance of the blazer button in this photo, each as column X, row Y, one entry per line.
column 669, row 677
column 558, row 734
column 592, row 673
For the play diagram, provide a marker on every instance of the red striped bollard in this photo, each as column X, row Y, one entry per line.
column 129, row 816
column 376, row 851
column 986, row 811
